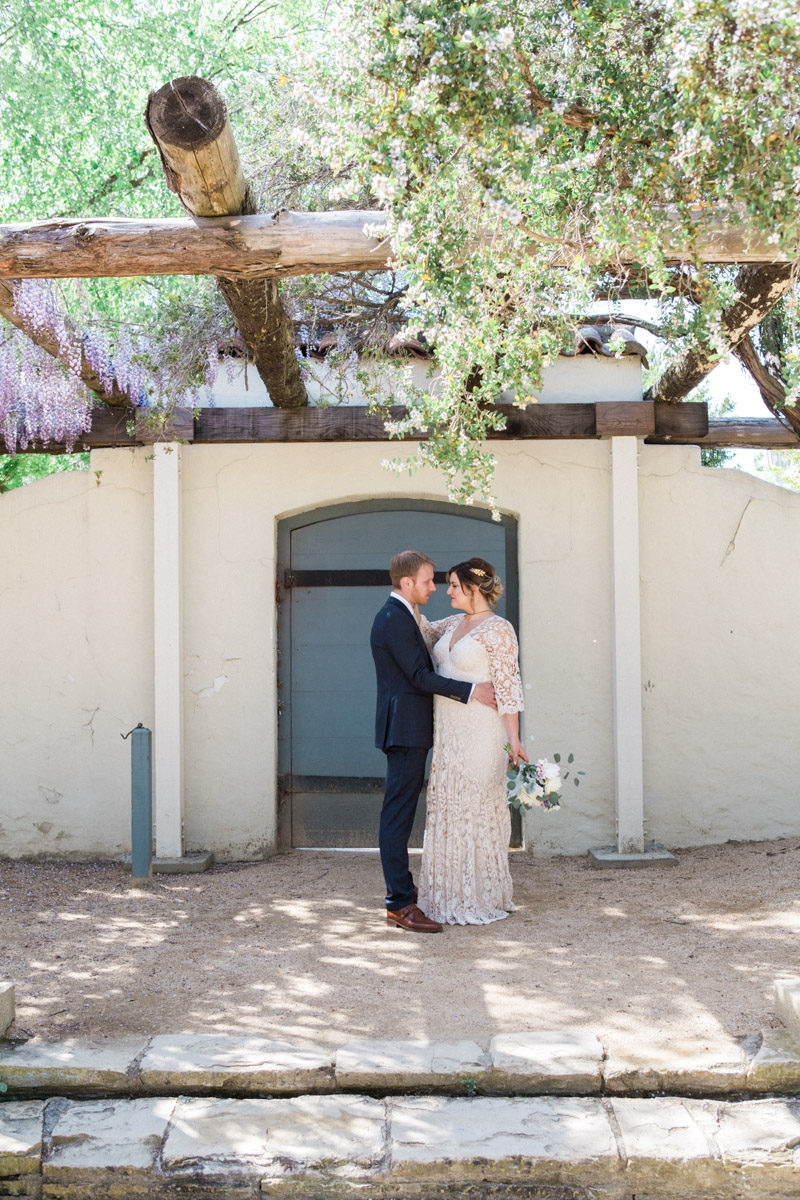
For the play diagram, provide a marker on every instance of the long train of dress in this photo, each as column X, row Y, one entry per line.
column 464, row 876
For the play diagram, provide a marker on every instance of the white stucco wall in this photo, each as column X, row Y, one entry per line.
column 580, row 379
column 720, row 574
column 720, row 553
column 76, row 614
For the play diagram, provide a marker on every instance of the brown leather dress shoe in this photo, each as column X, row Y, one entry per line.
column 413, row 919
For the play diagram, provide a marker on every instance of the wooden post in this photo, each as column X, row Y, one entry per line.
column 630, row 850
column 627, row 645
column 188, row 121
column 167, row 651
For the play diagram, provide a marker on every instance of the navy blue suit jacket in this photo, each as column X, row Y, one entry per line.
column 407, row 681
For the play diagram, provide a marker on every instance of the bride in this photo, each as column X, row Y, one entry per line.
column 464, row 876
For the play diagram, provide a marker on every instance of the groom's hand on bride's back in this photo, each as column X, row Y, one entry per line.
column 484, row 694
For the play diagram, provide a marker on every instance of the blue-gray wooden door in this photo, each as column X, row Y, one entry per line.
column 333, row 578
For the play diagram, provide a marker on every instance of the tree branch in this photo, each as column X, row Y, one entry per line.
column 189, row 124
column 772, row 389
column 576, row 115
column 621, row 319
column 759, row 290
column 45, row 340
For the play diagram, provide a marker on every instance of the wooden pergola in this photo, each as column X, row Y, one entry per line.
column 248, row 253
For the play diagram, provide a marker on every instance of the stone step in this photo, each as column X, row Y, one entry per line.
column 514, row 1064
column 6, row 1005
column 426, row 1147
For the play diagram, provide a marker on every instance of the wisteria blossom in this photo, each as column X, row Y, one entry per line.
column 44, row 398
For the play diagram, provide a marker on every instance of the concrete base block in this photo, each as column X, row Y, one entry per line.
column 776, row 1065
column 7, row 1008
column 401, row 1148
column 541, row 1062
column 311, row 1137
column 410, row 1066
column 39, row 1068
column 652, row 856
column 105, row 1148
column 504, row 1140
column 187, row 864
column 20, row 1146
column 787, row 1004
column 198, row 1063
column 686, row 1066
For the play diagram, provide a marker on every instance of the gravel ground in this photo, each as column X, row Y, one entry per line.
column 297, row 948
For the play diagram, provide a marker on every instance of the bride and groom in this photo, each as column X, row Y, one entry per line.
column 452, row 684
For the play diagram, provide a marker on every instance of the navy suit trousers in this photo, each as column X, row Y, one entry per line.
column 405, row 775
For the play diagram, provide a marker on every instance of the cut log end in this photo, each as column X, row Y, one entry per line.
column 187, row 112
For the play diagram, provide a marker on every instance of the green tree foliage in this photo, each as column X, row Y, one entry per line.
column 19, row 469
column 74, row 81
column 782, row 467
column 519, row 143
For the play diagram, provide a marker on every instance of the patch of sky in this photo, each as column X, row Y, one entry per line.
column 729, row 379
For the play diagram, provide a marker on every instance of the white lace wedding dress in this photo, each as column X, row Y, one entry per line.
column 464, row 877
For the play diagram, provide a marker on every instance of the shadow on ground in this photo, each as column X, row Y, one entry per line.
column 296, row 948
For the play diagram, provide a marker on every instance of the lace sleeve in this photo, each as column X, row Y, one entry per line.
column 500, row 640
column 433, row 630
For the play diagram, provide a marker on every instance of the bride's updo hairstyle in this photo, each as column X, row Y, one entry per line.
column 478, row 573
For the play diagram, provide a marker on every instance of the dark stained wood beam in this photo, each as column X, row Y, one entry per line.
column 751, row 434
column 215, row 426
column 687, row 422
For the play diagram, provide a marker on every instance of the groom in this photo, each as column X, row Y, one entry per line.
column 404, row 724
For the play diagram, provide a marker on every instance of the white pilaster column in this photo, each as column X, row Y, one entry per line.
column 168, row 667
column 627, row 649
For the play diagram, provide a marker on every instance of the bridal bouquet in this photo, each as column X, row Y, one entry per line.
column 538, row 783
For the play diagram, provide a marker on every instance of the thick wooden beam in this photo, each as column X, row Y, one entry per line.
column 287, row 243
column 688, row 420
column 111, row 427
column 357, row 424
column 751, row 434
column 188, row 121
column 127, row 427
column 623, row 418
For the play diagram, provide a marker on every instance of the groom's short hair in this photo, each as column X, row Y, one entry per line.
column 408, row 563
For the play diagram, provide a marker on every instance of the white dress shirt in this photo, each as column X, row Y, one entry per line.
column 403, row 600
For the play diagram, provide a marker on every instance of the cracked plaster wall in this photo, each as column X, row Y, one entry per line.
column 76, row 610
column 720, row 567
column 719, row 555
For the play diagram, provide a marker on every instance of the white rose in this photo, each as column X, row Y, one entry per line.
column 551, row 773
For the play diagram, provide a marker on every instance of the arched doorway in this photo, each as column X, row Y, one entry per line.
column 333, row 576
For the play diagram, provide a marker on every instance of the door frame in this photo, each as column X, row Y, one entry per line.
column 328, row 512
